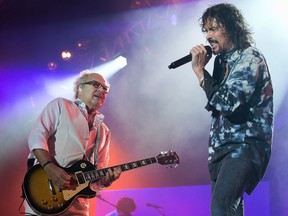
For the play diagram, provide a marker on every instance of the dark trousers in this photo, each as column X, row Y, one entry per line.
column 229, row 187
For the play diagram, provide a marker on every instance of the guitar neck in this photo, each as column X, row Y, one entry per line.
column 98, row 174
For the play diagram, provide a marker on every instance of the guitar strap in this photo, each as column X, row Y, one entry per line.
column 98, row 120
column 30, row 162
column 97, row 144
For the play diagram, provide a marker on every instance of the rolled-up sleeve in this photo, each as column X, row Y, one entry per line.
column 45, row 126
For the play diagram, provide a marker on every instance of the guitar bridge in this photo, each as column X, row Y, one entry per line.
column 80, row 177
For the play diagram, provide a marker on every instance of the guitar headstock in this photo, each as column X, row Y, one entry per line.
column 168, row 157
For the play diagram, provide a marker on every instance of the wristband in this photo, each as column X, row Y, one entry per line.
column 50, row 161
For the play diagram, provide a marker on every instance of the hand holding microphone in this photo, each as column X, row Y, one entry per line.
column 187, row 59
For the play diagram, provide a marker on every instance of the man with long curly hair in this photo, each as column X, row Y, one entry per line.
column 240, row 98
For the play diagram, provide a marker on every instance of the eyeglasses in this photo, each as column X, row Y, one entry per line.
column 96, row 84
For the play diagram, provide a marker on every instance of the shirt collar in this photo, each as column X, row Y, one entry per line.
column 232, row 56
column 80, row 104
column 98, row 118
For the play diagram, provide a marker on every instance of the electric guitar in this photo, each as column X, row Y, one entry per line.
column 45, row 198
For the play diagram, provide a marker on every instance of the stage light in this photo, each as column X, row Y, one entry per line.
column 103, row 59
column 66, row 55
column 82, row 45
column 52, row 65
column 120, row 62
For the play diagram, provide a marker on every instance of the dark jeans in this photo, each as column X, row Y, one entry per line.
column 229, row 187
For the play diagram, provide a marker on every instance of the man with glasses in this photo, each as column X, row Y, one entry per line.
column 68, row 131
column 240, row 98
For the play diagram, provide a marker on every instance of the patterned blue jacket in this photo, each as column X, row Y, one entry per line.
column 242, row 106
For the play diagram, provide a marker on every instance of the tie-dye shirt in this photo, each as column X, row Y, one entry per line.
column 242, row 106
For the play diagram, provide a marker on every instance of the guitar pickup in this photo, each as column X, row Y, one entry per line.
column 80, row 177
column 51, row 188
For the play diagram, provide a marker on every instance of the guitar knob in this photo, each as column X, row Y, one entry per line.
column 54, row 199
column 50, row 207
column 44, row 202
column 83, row 165
column 60, row 205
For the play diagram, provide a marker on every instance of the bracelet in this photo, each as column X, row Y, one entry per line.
column 49, row 161
column 201, row 82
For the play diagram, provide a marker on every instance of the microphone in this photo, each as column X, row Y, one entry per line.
column 187, row 59
column 152, row 205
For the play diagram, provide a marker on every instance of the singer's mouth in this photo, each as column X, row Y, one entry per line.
column 213, row 42
column 98, row 96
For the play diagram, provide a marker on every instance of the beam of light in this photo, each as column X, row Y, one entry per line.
column 110, row 68
column 64, row 87
column 60, row 87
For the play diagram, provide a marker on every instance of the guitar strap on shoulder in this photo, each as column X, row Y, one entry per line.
column 30, row 162
column 97, row 144
column 97, row 124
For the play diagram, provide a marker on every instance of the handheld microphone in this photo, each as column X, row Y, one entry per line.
column 187, row 59
column 153, row 206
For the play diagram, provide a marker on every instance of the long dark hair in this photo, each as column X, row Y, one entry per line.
column 233, row 22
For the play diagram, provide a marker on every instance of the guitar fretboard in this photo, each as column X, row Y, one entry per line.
column 97, row 174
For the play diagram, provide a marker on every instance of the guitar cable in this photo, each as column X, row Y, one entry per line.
column 25, row 213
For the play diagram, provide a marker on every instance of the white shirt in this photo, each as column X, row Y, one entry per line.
column 62, row 129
